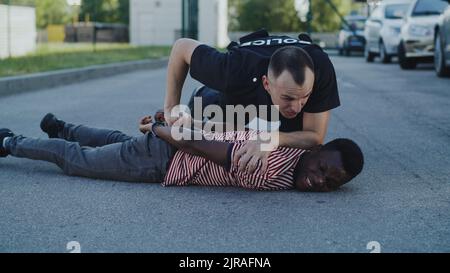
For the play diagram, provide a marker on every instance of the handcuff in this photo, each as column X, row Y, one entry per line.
column 159, row 121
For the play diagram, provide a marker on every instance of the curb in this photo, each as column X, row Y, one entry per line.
column 33, row 82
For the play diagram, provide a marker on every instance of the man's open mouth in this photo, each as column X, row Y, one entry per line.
column 308, row 182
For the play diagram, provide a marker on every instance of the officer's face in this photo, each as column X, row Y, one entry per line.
column 287, row 94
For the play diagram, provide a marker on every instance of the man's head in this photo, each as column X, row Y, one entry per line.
column 290, row 80
column 328, row 167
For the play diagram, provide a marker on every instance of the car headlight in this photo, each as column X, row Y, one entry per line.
column 418, row 30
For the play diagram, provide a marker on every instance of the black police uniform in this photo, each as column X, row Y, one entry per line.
column 237, row 75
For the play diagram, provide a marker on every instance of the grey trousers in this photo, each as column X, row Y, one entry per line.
column 99, row 153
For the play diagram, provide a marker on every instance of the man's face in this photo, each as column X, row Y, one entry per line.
column 321, row 170
column 287, row 94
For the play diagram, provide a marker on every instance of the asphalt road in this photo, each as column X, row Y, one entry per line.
column 401, row 119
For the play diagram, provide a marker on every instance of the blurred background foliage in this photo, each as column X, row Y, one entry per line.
column 244, row 15
column 284, row 16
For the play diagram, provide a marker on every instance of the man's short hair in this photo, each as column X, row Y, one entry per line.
column 294, row 60
column 351, row 154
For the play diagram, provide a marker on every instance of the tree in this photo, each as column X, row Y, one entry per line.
column 324, row 18
column 234, row 9
column 106, row 11
column 282, row 16
column 124, row 11
column 273, row 15
column 51, row 12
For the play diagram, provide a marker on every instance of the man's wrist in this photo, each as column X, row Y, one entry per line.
column 156, row 124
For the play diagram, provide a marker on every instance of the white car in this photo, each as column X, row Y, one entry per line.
column 382, row 29
column 417, row 33
column 442, row 44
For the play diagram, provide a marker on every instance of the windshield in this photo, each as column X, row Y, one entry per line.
column 355, row 24
column 429, row 7
column 395, row 11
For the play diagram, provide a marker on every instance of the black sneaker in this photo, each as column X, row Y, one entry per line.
column 51, row 125
column 3, row 134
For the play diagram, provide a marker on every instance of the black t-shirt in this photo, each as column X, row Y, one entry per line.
column 238, row 75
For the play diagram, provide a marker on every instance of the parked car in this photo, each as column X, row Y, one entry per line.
column 382, row 29
column 417, row 33
column 351, row 36
column 442, row 44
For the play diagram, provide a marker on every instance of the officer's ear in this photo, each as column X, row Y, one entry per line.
column 265, row 81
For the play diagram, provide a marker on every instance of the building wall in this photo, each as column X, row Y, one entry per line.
column 158, row 22
column 213, row 22
column 21, row 39
column 154, row 22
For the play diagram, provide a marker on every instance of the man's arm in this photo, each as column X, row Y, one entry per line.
column 211, row 126
column 216, row 151
column 178, row 67
column 314, row 131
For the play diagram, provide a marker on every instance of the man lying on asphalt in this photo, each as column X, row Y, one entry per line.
column 294, row 74
column 157, row 157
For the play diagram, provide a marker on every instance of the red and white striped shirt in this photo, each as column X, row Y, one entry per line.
column 186, row 169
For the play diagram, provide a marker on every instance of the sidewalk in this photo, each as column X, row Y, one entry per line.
column 32, row 82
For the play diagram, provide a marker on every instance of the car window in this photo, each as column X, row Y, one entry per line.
column 395, row 11
column 429, row 7
column 357, row 24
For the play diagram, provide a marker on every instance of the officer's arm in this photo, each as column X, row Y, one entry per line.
column 178, row 67
column 215, row 151
column 314, row 131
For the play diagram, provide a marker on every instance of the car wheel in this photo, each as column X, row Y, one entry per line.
column 347, row 52
column 405, row 63
column 439, row 58
column 384, row 57
column 369, row 56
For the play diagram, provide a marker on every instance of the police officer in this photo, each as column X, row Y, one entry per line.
column 293, row 74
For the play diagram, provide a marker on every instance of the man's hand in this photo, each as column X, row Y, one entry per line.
column 160, row 117
column 145, row 124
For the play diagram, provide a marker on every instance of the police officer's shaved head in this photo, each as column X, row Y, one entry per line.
column 293, row 59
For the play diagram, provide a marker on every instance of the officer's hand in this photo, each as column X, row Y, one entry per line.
column 255, row 153
column 250, row 156
column 169, row 119
column 184, row 121
column 145, row 124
